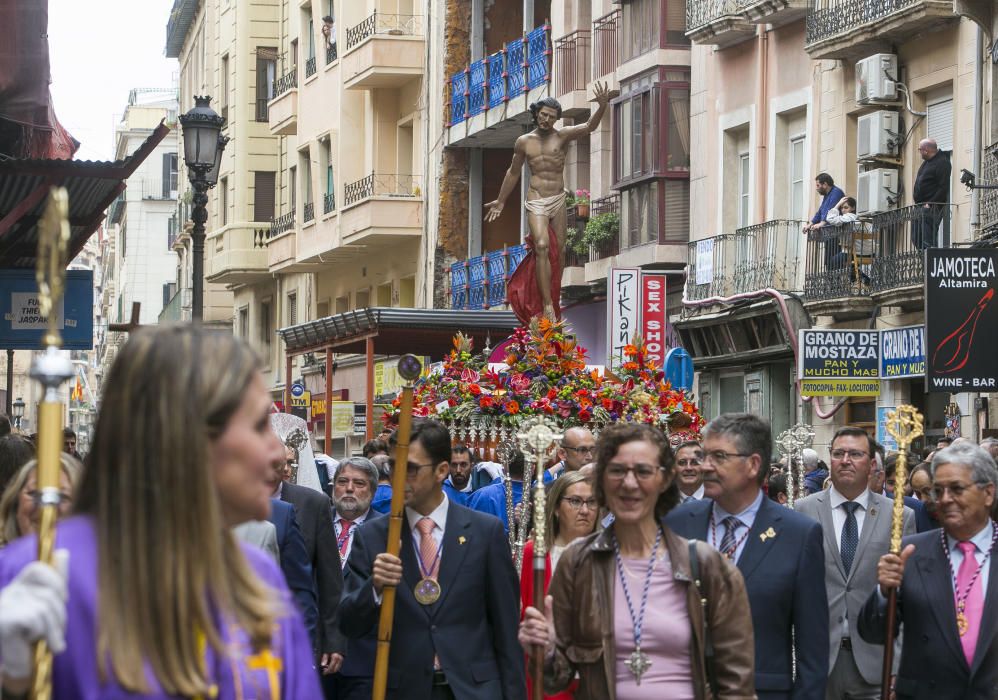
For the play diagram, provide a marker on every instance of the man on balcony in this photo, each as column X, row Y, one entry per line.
column 931, row 193
column 544, row 149
column 830, row 196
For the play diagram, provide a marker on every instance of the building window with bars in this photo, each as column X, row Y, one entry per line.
column 293, row 309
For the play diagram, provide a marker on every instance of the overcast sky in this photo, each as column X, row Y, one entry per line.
column 101, row 49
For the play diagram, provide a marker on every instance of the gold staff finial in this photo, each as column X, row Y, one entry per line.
column 904, row 424
column 53, row 244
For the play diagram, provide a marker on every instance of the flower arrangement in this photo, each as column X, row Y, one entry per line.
column 546, row 374
column 582, row 197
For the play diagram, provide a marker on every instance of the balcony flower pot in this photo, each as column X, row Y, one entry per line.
column 582, row 210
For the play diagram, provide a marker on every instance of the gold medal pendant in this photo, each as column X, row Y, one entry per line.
column 427, row 591
column 961, row 623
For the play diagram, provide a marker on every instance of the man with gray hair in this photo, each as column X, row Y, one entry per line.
column 814, row 472
column 931, row 193
column 947, row 585
column 354, row 484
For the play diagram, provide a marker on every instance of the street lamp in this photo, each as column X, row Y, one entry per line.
column 17, row 411
column 203, row 146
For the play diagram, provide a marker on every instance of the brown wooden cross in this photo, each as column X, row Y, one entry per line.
column 133, row 322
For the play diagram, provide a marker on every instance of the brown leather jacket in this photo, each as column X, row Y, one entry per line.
column 583, row 588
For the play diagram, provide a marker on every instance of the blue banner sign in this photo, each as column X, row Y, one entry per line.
column 22, row 325
column 902, row 352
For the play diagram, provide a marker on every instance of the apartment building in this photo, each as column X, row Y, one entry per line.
column 636, row 166
column 780, row 93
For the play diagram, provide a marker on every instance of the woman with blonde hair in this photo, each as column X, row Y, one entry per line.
column 162, row 600
column 19, row 511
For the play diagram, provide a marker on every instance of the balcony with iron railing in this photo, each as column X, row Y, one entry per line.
column 753, row 258
column 880, row 261
column 573, row 71
column 331, row 54
column 281, row 243
column 480, row 282
column 384, row 51
column 178, row 309
column 382, row 207
column 610, row 246
column 852, row 29
column 989, row 198
column 721, row 23
column 310, row 67
column 237, row 254
column 487, row 101
column 606, row 44
column 282, row 110
column 328, row 202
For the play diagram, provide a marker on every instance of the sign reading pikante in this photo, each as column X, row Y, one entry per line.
column 961, row 320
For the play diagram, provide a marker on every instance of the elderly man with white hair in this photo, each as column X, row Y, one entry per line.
column 815, row 472
column 947, row 583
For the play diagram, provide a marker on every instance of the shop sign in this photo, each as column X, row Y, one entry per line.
column 622, row 311
column 961, row 320
column 302, row 400
column 840, row 387
column 387, row 379
column 838, row 354
column 902, row 352
column 341, row 417
column 22, row 325
column 705, row 261
column 653, row 317
column 318, row 408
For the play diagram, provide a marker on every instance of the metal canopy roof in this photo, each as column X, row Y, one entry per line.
column 398, row 331
column 92, row 186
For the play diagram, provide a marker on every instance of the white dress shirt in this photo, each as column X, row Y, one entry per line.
column 695, row 496
column 836, row 500
column 747, row 519
column 439, row 518
column 338, row 530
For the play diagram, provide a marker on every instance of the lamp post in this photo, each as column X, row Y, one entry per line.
column 203, row 147
column 17, row 412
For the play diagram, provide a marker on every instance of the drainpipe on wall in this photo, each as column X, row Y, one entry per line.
column 762, row 123
column 975, row 198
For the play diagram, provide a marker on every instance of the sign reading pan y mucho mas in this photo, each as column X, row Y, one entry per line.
column 961, row 321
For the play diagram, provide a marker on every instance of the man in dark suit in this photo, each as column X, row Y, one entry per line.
column 295, row 563
column 354, row 483
column 948, row 587
column 457, row 602
column 857, row 526
column 778, row 551
column 314, row 516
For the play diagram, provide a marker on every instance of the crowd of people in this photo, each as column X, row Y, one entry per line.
column 190, row 563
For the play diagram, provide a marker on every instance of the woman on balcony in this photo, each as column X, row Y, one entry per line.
column 857, row 243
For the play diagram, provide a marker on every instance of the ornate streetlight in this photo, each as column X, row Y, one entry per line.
column 203, row 147
column 17, row 411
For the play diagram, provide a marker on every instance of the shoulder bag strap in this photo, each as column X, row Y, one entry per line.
column 708, row 642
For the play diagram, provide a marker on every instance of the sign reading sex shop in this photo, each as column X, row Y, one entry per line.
column 653, row 318
column 961, row 320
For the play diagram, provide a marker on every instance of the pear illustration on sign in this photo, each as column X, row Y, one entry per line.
column 953, row 351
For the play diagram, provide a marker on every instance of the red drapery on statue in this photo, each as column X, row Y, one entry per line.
column 522, row 293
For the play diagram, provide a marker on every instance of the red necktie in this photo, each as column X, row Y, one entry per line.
column 345, row 527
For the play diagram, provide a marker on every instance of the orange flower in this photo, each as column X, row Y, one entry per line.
column 630, row 350
column 513, row 408
column 630, row 366
column 511, row 359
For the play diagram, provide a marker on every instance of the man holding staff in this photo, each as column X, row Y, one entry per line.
column 947, row 583
column 457, row 600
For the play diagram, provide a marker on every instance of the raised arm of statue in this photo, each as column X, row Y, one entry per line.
column 494, row 208
column 601, row 98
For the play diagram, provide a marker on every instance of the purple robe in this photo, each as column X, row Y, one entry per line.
column 76, row 673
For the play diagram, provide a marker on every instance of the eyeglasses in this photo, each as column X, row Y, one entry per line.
column 584, row 450
column 412, row 468
column 576, row 503
column 955, row 490
column 720, row 456
column 65, row 499
column 642, row 472
column 692, row 462
column 851, row 454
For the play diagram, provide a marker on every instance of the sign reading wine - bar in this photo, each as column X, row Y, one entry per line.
column 961, row 320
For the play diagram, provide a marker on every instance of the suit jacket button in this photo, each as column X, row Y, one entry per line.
column 433, row 628
column 848, row 589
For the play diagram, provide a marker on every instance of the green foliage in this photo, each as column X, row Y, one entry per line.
column 601, row 228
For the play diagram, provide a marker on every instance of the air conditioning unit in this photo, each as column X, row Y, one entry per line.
column 876, row 190
column 878, row 134
column 872, row 83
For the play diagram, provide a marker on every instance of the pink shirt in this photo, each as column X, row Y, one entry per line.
column 665, row 634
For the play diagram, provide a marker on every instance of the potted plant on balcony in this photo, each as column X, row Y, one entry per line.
column 581, row 200
column 601, row 229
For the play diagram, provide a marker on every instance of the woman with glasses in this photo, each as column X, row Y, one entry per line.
column 629, row 609
column 19, row 511
column 571, row 514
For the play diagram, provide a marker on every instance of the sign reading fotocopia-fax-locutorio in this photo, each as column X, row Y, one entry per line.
column 961, row 325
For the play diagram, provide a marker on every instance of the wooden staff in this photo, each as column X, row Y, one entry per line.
column 537, row 438
column 50, row 370
column 408, row 369
column 904, row 424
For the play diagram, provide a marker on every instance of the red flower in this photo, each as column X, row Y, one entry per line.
column 552, row 394
column 475, row 389
column 452, row 402
column 585, row 416
column 485, row 401
column 469, row 375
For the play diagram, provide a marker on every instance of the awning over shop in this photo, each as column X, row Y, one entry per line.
column 389, row 331
column 92, row 187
